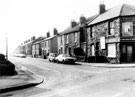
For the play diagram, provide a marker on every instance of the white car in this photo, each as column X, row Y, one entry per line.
column 52, row 57
column 64, row 58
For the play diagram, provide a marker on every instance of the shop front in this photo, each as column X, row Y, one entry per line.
column 127, row 50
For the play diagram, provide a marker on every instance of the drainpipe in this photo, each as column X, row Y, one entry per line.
column 86, row 40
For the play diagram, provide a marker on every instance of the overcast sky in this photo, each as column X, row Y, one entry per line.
column 22, row 19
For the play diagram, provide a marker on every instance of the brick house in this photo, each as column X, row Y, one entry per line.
column 75, row 38
column 36, row 47
column 112, row 34
column 49, row 45
column 61, row 41
column 26, row 47
column 71, row 38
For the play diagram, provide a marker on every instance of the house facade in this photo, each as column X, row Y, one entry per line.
column 26, row 47
column 61, row 38
column 49, row 45
column 111, row 35
column 36, row 47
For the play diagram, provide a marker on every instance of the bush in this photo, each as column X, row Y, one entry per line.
column 6, row 67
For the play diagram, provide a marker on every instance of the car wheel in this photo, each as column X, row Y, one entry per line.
column 57, row 61
column 63, row 62
column 49, row 60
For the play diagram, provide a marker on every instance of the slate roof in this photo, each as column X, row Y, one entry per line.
column 38, row 40
column 121, row 10
column 65, row 31
column 77, row 27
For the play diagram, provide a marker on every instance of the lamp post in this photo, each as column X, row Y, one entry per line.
column 6, row 47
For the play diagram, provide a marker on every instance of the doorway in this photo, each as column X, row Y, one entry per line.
column 127, row 53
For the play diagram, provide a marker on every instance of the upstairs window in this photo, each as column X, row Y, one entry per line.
column 92, row 33
column 75, row 36
column 112, row 29
column 61, row 40
column 67, row 39
column 45, row 43
column 127, row 29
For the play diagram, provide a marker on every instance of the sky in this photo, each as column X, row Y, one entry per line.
column 22, row 19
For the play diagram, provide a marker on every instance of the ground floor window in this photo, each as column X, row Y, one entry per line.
column 111, row 50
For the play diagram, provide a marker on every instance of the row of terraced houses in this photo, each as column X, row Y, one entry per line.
column 108, row 36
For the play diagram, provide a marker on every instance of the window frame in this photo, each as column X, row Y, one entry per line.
column 129, row 34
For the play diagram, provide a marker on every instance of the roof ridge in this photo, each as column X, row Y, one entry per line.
column 122, row 6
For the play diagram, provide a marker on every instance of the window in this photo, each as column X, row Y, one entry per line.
column 127, row 29
column 111, row 50
column 75, row 36
column 48, row 43
column 67, row 38
column 112, row 29
column 61, row 39
column 45, row 43
column 61, row 50
column 92, row 33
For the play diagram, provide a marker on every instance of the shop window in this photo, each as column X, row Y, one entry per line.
column 111, row 50
column 127, row 29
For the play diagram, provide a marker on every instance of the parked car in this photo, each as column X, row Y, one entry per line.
column 64, row 58
column 52, row 57
column 20, row 55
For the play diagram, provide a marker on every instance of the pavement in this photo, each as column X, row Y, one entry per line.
column 23, row 79
column 108, row 65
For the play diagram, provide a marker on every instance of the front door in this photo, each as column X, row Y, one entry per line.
column 127, row 53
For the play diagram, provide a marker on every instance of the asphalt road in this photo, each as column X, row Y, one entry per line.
column 76, row 80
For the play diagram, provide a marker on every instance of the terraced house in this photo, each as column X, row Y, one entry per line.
column 112, row 34
column 36, row 47
column 49, row 44
column 26, row 47
column 72, row 40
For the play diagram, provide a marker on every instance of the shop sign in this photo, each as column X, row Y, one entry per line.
column 128, row 39
column 111, row 40
column 102, row 42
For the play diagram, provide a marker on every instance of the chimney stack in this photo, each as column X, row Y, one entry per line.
column 55, row 31
column 82, row 20
column 33, row 38
column 73, row 23
column 48, row 34
column 102, row 7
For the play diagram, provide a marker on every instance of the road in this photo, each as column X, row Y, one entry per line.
column 76, row 80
